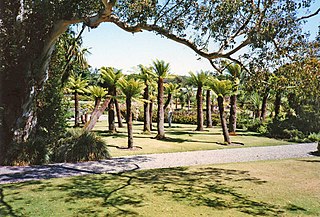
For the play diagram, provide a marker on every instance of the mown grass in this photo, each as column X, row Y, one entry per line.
column 179, row 138
column 270, row 188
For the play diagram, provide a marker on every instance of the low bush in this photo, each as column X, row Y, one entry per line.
column 81, row 146
column 32, row 152
column 182, row 117
column 314, row 137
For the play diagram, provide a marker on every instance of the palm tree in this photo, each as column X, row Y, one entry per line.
column 76, row 85
column 132, row 89
column 234, row 73
column 222, row 88
column 147, row 76
column 162, row 71
column 189, row 93
column 111, row 76
column 75, row 55
column 199, row 80
column 96, row 92
column 170, row 89
column 255, row 103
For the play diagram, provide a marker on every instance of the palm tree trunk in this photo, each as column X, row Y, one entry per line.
column 146, row 115
column 111, row 113
column 208, row 113
column 96, row 115
column 160, row 115
column 76, row 109
column 151, row 114
column 129, row 123
column 177, row 103
column 120, row 124
column 223, row 121
column 277, row 104
column 233, row 114
column 199, row 109
column 264, row 105
column 168, row 101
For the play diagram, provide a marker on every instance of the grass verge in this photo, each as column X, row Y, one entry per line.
column 270, row 188
column 179, row 138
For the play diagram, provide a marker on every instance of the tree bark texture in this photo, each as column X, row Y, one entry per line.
column 233, row 114
column 208, row 109
column 160, row 114
column 199, row 109
column 23, row 74
column 146, row 115
column 129, row 123
column 223, row 121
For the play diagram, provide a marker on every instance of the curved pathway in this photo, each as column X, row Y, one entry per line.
column 151, row 161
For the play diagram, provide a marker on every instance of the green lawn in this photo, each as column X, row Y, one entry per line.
column 270, row 188
column 181, row 137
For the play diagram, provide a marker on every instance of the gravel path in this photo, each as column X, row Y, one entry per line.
column 151, row 161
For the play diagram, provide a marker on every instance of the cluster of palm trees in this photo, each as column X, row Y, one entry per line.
column 141, row 87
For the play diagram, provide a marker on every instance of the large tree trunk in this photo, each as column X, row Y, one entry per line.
column 264, row 105
column 146, row 115
column 223, row 121
column 25, row 57
column 277, row 104
column 97, row 112
column 160, row 115
column 199, row 109
column 76, row 110
column 233, row 114
column 129, row 123
column 120, row 124
column 208, row 109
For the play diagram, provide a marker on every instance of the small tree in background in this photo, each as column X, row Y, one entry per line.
column 234, row 74
column 147, row 76
column 132, row 89
column 111, row 76
column 222, row 88
column 199, row 80
column 162, row 71
column 76, row 85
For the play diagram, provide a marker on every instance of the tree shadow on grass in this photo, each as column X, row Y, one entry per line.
column 122, row 193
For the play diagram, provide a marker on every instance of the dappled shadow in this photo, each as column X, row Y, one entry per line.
column 178, row 140
column 232, row 144
column 115, row 165
column 120, row 194
column 311, row 161
column 5, row 208
column 315, row 153
column 191, row 133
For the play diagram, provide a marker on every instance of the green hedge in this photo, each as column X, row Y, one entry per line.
column 183, row 117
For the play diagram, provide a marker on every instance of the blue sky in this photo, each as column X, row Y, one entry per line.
column 111, row 46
